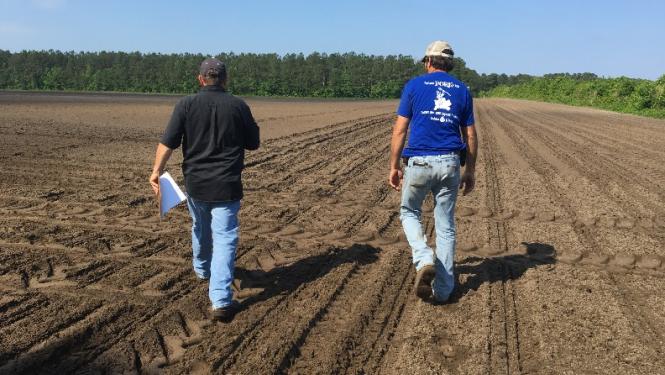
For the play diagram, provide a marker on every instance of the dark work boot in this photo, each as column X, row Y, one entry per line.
column 423, row 284
column 225, row 314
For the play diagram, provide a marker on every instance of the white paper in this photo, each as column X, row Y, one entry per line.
column 170, row 193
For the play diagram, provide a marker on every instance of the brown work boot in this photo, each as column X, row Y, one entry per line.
column 423, row 284
column 225, row 314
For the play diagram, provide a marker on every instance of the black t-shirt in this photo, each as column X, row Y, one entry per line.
column 214, row 128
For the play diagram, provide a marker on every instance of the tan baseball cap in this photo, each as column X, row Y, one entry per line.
column 439, row 48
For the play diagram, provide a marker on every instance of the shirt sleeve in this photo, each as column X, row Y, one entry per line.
column 468, row 119
column 172, row 137
column 405, row 108
column 250, row 128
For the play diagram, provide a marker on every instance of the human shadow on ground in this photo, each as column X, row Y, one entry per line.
column 287, row 278
column 499, row 268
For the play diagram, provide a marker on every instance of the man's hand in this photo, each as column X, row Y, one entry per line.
column 395, row 178
column 396, row 146
column 154, row 182
column 162, row 156
column 467, row 182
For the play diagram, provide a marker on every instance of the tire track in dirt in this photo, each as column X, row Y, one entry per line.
column 99, row 339
column 295, row 144
column 503, row 349
column 437, row 338
column 98, row 255
column 363, row 317
column 319, row 319
column 324, row 277
column 598, row 139
column 338, row 150
column 634, row 134
column 311, row 306
column 237, row 345
column 628, row 127
column 346, row 167
column 647, row 334
column 87, row 276
column 551, row 136
column 225, row 364
column 628, row 201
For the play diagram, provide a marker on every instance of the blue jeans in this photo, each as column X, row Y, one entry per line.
column 214, row 242
column 440, row 175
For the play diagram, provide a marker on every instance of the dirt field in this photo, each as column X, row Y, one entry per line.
column 560, row 249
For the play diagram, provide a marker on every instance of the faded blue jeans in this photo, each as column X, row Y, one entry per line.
column 214, row 242
column 439, row 175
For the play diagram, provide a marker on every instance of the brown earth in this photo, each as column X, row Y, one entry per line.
column 560, row 248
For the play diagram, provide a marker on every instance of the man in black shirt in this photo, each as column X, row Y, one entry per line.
column 214, row 128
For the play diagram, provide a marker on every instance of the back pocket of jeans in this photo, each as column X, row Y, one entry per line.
column 417, row 176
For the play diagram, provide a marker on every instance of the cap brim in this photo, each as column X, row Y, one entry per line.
column 442, row 55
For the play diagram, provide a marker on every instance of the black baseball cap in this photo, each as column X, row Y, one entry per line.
column 212, row 67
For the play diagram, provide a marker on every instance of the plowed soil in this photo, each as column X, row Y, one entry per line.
column 559, row 257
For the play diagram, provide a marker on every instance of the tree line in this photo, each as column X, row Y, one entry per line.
column 347, row 75
column 638, row 96
column 315, row 75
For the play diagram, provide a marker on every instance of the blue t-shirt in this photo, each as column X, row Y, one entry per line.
column 438, row 104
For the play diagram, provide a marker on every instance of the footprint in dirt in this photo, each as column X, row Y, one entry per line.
column 176, row 346
column 465, row 211
column 52, row 195
column 439, row 348
column 200, row 368
column 52, row 276
column 245, row 289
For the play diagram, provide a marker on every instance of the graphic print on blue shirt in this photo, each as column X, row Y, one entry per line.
column 438, row 105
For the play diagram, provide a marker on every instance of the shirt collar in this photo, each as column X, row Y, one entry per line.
column 212, row 88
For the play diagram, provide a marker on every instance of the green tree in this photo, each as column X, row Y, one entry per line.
column 54, row 79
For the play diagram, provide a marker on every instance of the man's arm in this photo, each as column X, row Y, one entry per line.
column 171, row 139
column 251, row 135
column 162, row 156
column 396, row 147
column 252, row 138
column 468, row 180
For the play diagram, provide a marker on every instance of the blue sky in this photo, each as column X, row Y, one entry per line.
column 609, row 38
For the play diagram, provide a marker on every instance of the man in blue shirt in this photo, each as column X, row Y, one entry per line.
column 439, row 110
